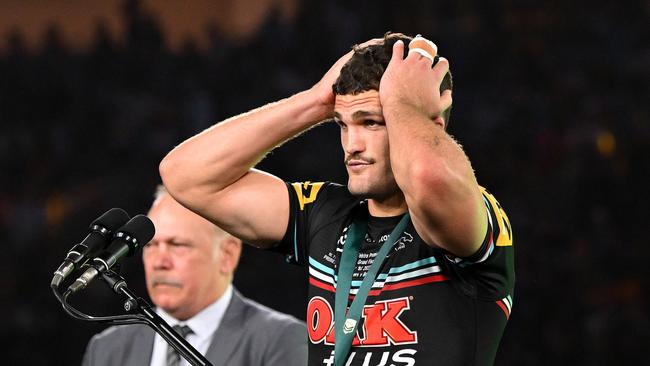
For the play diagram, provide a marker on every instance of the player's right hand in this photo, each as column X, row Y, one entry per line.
column 322, row 90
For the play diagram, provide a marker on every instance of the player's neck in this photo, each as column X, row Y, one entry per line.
column 391, row 206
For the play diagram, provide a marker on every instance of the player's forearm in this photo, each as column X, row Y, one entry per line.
column 421, row 149
column 437, row 180
column 220, row 155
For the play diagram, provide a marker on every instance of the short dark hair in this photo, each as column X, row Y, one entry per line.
column 364, row 70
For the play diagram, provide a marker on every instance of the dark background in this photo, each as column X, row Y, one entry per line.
column 550, row 102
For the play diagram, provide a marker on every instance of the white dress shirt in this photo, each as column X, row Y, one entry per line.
column 203, row 325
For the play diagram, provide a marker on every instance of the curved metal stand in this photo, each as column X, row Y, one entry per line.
column 143, row 314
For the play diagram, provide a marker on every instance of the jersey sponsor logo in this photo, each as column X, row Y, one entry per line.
column 403, row 357
column 382, row 325
column 306, row 192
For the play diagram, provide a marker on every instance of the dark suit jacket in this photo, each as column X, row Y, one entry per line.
column 250, row 334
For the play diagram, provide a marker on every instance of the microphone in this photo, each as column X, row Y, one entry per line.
column 101, row 231
column 126, row 241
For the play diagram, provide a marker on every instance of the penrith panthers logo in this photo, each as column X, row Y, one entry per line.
column 381, row 324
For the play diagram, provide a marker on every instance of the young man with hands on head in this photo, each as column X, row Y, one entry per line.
column 412, row 262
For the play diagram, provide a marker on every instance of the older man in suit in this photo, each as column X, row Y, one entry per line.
column 189, row 267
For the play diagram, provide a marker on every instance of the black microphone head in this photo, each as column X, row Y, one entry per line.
column 137, row 232
column 111, row 219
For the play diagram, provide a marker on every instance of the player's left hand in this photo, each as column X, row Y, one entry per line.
column 413, row 83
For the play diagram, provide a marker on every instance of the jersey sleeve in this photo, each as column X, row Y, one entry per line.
column 492, row 266
column 306, row 200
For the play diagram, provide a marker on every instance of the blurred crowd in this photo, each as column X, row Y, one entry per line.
column 551, row 104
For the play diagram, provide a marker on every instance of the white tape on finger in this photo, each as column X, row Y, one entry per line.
column 422, row 53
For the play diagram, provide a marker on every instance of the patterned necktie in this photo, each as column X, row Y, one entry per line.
column 173, row 357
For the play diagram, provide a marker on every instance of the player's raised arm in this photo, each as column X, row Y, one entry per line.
column 212, row 172
column 429, row 166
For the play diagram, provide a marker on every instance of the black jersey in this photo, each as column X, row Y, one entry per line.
column 426, row 307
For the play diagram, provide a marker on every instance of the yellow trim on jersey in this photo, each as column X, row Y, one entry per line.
column 304, row 195
column 505, row 230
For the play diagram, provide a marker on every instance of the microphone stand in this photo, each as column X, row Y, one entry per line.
column 134, row 303
column 145, row 315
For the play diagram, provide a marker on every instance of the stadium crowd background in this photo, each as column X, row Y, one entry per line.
column 551, row 103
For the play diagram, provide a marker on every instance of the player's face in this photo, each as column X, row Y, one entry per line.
column 183, row 260
column 365, row 143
